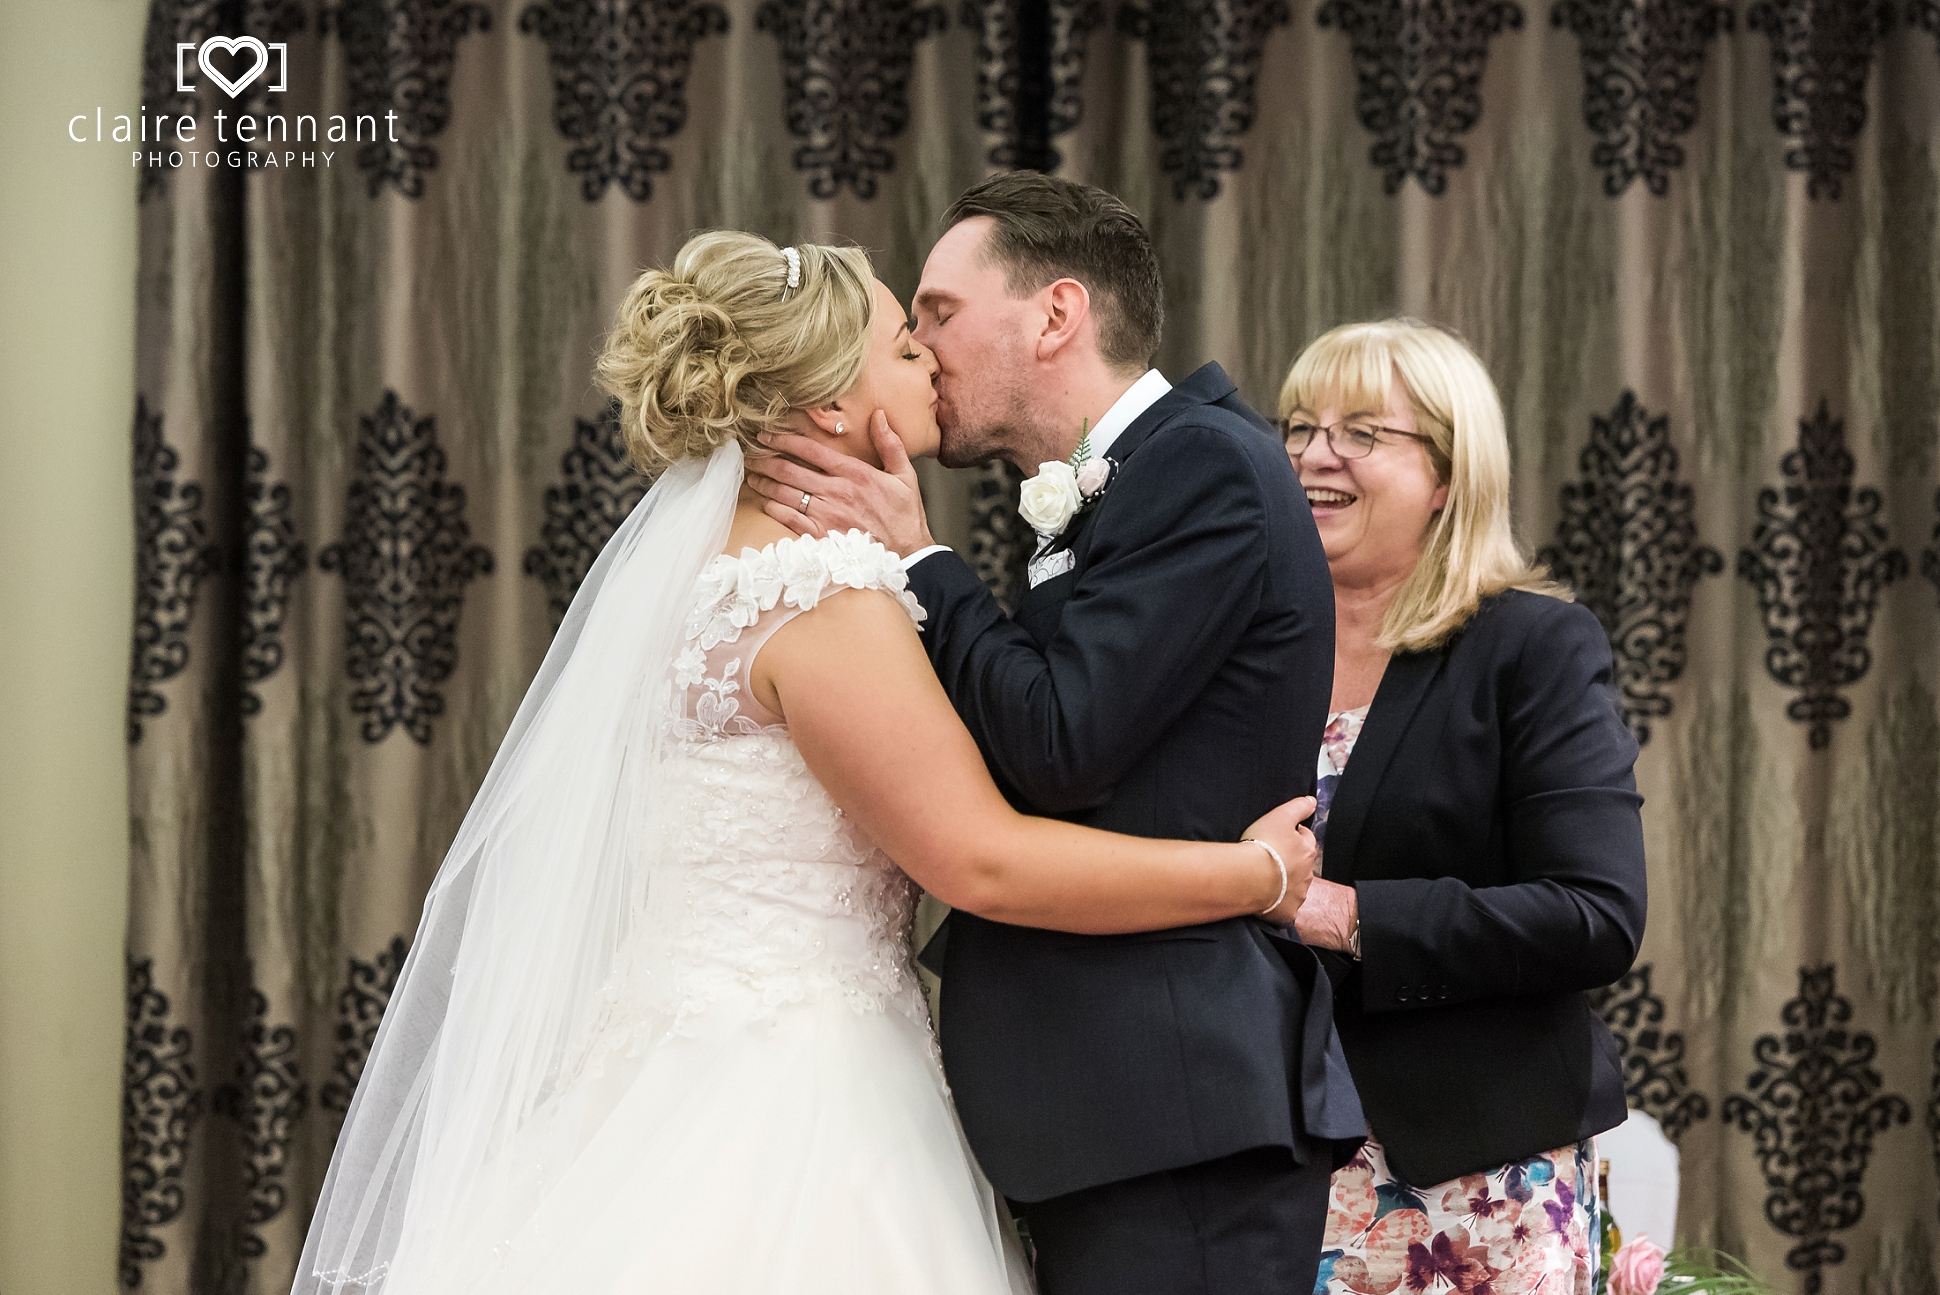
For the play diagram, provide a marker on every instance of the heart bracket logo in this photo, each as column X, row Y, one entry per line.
column 232, row 45
column 257, row 50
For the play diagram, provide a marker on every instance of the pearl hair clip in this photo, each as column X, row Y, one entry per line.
column 794, row 268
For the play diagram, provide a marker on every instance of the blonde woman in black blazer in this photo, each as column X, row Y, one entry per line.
column 1482, row 856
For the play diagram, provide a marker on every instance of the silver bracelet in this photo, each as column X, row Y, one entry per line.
column 1278, row 862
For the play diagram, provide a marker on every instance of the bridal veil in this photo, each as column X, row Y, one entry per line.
column 552, row 867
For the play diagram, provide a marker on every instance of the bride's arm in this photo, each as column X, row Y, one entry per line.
column 865, row 709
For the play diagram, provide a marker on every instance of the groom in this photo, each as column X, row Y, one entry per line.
column 1164, row 1109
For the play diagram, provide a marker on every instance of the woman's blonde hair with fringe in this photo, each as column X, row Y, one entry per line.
column 1471, row 551
column 719, row 347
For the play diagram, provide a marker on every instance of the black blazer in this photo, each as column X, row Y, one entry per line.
column 1488, row 821
column 1174, row 683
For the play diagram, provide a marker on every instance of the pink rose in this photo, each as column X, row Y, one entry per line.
column 1637, row 1268
column 1092, row 476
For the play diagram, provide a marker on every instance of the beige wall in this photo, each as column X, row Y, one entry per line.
column 67, row 262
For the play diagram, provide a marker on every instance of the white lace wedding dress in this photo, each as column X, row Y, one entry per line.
column 756, row 1104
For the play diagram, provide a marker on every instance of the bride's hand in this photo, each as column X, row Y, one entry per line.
column 1283, row 828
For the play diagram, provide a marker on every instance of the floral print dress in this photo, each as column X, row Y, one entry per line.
column 1526, row 1228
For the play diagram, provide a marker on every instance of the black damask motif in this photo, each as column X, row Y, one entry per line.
column 1653, row 1057
column 1641, row 64
column 398, row 56
column 1812, row 1109
column 1930, row 559
column 405, row 564
column 1627, row 542
column 367, row 992
column 1000, row 543
column 159, row 1107
column 267, row 20
column 173, row 22
column 266, row 1098
column 1822, row 51
column 1818, row 560
column 1030, row 66
column 845, row 71
column 619, row 75
column 1924, row 15
column 1418, row 65
column 596, row 490
column 172, row 556
column 273, row 557
column 1204, row 63
column 1933, row 1108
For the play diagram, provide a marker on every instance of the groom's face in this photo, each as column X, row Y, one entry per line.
column 981, row 337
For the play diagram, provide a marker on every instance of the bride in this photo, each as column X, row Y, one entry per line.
column 660, row 1030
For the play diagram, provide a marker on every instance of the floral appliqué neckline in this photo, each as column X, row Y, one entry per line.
column 732, row 591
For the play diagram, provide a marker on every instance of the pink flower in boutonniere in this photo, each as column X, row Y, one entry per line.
column 1092, row 476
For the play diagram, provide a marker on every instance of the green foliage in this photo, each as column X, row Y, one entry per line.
column 1696, row 1270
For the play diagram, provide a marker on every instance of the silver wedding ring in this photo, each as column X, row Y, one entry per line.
column 806, row 497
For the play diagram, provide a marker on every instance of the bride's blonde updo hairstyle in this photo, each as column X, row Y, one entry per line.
column 719, row 347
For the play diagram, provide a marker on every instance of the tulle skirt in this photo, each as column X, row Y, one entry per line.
column 814, row 1152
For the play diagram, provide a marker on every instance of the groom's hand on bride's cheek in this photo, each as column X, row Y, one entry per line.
column 813, row 489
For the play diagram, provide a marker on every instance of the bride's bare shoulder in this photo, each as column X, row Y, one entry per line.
column 851, row 634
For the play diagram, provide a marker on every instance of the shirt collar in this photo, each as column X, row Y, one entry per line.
column 1138, row 398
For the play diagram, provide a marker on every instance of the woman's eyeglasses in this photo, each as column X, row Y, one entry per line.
column 1349, row 438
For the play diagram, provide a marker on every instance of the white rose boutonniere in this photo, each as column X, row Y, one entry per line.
column 1060, row 491
column 1049, row 500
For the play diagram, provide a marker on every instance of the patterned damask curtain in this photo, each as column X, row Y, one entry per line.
column 1698, row 244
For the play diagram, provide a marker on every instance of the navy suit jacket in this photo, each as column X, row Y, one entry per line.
column 1173, row 683
column 1489, row 823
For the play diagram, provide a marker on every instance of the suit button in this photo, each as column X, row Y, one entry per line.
column 1401, row 994
column 1444, row 994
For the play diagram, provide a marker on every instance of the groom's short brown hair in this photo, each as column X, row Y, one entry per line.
column 1048, row 229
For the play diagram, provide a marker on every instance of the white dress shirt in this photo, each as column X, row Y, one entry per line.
column 1138, row 398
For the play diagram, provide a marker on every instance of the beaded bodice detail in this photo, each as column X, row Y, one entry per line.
column 771, row 895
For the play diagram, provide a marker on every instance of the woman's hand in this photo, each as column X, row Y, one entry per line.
column 1284, row 829
column 1326, row 920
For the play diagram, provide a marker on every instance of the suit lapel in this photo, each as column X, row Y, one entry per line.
column 1403, row 686
column 1208, row 385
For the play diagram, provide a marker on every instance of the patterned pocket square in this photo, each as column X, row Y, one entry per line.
column 1046, row 565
